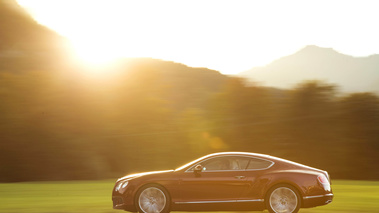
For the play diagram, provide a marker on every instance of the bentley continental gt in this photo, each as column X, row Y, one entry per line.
column 228, row 181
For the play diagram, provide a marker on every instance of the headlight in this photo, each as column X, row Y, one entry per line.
column 121, row 186
column 124, row 184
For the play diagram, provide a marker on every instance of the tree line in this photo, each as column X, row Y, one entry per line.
column 65, row 125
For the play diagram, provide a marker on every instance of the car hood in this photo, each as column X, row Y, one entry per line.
column 132, row 176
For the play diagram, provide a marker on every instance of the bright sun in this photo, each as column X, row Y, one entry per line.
column 96, row 41
column 96, row 54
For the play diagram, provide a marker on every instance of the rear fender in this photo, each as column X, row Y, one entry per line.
column 284, row 179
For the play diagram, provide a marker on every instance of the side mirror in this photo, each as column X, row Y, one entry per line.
column 198, row 168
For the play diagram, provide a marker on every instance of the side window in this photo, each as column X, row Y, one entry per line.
column 225, row 163
column 239, row 163
column 219, row 163
column 255, row 163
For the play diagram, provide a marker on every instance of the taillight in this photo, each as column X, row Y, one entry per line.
column 324, row 182
column 323, row 179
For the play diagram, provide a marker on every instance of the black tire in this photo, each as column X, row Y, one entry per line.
column 283, row 198
column 153, row 198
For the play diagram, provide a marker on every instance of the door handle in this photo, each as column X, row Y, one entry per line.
column 239, row 177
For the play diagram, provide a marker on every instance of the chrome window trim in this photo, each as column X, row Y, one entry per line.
column 272, row 163
column 318, row 196
column 220, row 201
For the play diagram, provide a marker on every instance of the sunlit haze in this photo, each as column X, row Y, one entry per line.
column 228, row 36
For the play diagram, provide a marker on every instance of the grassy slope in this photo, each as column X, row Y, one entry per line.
column 95, row 197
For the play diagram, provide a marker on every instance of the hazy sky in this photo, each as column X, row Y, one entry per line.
column 228, row 36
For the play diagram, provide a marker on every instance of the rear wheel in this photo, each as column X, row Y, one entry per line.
column 283, row 198
column 153, row 198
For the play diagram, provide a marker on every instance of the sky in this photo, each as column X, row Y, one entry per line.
column 229, row 36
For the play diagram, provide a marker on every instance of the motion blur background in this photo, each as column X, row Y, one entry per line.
column 62, row 120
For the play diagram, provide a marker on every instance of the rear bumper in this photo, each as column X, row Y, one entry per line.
column 317, row 200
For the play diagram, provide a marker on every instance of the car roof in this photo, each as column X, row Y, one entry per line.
column 240, row 153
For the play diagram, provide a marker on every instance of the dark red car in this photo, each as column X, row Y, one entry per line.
column 230, row 181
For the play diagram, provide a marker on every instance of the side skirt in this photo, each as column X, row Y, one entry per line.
column 223, row 201
column 218, row 205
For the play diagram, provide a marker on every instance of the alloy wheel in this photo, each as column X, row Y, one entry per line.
column 283, row 200
column 152, row 200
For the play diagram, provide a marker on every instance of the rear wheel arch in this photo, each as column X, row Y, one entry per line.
column 288, row 182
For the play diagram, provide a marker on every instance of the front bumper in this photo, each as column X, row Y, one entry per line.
column 317, row 200
column 119, row 203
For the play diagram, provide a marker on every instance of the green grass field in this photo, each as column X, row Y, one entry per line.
column 95, row 197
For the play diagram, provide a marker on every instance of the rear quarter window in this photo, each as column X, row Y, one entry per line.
column 255, row 163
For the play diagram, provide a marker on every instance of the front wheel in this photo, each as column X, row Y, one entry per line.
column 283, row 198
column 153, row 199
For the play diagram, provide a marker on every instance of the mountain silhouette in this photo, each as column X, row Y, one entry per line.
column 351, row 74
column 25, row 44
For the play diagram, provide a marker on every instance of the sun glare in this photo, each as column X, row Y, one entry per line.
column 104, row 31
column 228, row 36
column 94, row 42
column 96, row 54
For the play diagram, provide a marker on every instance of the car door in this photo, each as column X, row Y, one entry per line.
column 255, row 168
column 222, row 179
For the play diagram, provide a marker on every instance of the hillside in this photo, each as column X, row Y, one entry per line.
column 351, row 74
column 185, row 86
